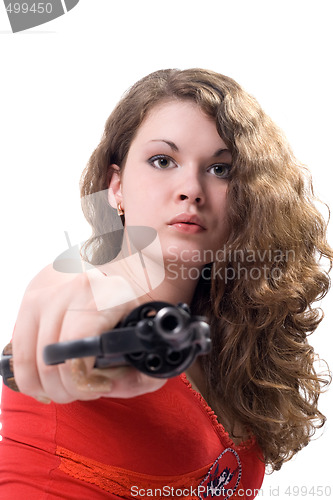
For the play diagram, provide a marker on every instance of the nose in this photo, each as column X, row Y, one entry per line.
column 190, row 189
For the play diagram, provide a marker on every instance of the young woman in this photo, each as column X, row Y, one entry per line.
column 191, row 156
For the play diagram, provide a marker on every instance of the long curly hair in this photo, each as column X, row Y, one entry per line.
column 261, row 371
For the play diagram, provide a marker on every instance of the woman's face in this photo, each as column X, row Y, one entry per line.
column 175, row 180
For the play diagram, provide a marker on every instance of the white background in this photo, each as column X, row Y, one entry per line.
column 60, row 81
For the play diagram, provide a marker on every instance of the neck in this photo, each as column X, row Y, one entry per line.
column 174, row 290
column 153, row 279
column 157, row 281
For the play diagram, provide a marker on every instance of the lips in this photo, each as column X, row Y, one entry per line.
column 187, row 223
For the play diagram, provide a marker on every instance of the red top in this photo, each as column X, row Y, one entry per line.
column 166, row 443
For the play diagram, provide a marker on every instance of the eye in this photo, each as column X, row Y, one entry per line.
column 162, row 162
column 221, row 170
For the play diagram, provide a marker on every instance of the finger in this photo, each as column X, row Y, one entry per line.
column 49, row 332
column 119, row 382
column 134, row 383
column 76, row 375
column 75, row 299
column 24, row 350
column 95, row 380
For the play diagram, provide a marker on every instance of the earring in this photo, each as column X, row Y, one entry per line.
column 120, row 211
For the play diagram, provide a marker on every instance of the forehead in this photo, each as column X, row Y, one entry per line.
column 179, row 121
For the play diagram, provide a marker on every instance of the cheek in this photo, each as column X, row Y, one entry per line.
column 144, row 194
column 222, row 221
column 219, row 202
column 141, row 205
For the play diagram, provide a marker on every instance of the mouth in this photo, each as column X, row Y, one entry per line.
column 187, row 223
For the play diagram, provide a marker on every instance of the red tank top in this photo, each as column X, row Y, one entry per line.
column 162, row 444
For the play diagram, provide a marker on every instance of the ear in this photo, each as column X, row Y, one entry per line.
column 115, row 195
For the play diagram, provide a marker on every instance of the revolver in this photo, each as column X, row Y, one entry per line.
column 157, row 338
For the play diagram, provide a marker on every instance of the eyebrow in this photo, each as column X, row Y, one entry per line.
column 174, row 147
column 169, row 143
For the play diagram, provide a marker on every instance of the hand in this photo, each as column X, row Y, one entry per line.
column 58, row 307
